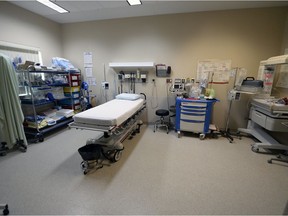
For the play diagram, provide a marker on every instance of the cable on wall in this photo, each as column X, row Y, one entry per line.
column 154, row 95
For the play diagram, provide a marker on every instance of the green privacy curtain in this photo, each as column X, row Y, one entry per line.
column 11, row 116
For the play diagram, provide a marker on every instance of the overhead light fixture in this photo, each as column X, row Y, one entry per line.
column 134, row 2
column 53, row 6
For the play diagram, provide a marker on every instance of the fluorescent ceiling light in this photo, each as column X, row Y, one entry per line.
column 53, row 6
column 134, row 2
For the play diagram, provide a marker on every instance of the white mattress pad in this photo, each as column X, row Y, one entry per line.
column 111, row 113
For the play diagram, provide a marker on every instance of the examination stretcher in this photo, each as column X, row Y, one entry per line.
column 117, row 119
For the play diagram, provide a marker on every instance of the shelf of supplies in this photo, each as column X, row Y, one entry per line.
column 41, row 131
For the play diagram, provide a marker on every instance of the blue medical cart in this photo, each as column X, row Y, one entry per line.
column 193, row 116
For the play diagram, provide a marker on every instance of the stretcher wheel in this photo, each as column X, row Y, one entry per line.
column 269, row 161
column 84, row 164
column 255, row 149
column 117, row 155
column 41, row 138
column 202, row 136
column 3, row 153
column 84, row 167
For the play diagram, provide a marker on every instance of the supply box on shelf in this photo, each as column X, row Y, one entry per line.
column 71, row 89
column 74, row 79
column 69, row 101
column 72, row 94
column 76, row 107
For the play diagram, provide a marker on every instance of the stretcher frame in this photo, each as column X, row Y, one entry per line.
column 112, row 138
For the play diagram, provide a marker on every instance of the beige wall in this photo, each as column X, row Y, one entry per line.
column 244, row 36
column 23, row 27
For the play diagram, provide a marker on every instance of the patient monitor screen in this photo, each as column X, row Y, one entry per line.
column 176, row 86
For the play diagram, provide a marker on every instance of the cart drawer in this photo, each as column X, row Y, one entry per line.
column 191, row 126
column 193, row 116
column 193, row 109
column 193, row 105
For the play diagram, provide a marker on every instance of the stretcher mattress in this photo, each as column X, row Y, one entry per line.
column 111, row 113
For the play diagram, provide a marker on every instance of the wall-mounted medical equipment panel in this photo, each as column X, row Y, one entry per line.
column 132, row 71
column 193, row 116
column 137, row 76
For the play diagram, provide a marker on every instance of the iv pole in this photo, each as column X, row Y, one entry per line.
column 227, row 133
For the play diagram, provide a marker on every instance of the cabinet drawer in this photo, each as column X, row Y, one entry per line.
column 193, row 116
column 75, row 77
column 75, row 83
column 191, row 126
column 258, row 118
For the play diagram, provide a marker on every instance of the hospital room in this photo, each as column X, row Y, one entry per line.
column 143, row 107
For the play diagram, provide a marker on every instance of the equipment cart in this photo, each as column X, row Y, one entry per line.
column 193, row 116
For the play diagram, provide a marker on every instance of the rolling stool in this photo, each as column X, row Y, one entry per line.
column 5, row 209
column 161, row 123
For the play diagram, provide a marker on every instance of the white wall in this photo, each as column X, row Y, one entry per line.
column 244, row 36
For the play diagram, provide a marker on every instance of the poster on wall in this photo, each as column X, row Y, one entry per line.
column 88, row 71
column 88, row 65
column 218, row 70
column 91, row 81
column 88, row 62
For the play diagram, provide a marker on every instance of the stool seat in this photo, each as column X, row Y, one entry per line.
column 162, row 112
column 161, row 123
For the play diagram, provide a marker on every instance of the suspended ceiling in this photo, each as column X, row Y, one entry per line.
column 81, row 11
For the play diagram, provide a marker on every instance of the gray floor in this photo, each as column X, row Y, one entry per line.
column 157, row 174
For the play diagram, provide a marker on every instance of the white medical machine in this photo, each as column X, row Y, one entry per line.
column 178, row 86
column 268, row 114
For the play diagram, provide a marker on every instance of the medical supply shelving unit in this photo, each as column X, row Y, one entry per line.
column 193, row 116
column 34, row 87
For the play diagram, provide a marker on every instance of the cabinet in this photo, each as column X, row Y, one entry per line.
column 49, row 99
column 193, row 116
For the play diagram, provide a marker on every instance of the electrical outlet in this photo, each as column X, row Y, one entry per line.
column 105, row 85
column 168, row 80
